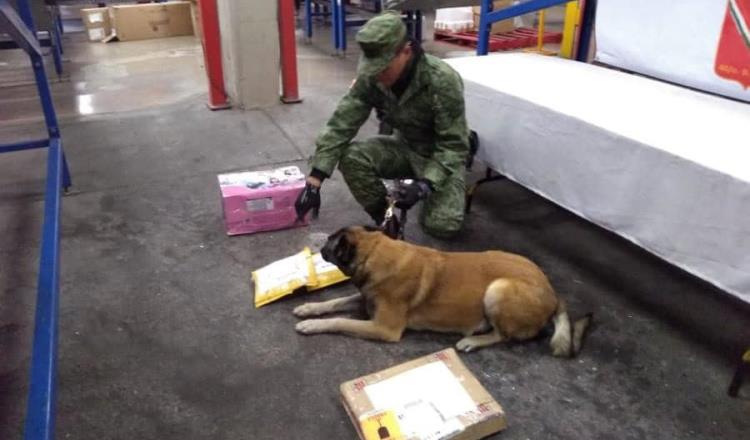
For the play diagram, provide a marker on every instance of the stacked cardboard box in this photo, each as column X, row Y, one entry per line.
column 96, row 21
column 139, row 21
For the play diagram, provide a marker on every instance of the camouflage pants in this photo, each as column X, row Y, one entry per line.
column 383, row 157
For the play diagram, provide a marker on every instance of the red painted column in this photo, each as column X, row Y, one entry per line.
column 211, row 40
column 288, row 45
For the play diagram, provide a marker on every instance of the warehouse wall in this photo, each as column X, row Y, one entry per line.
column 250, row 48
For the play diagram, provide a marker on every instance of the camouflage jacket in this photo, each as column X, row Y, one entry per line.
column 429, row 116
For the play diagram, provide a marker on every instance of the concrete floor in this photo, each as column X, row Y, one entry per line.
column 158, row 335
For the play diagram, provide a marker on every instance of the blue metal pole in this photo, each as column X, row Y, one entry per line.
column 484, row 28
column 26, row 145
column 58, row 20
column 335, row 25
column 523, row 8
column 66, row 180
column 57, row 54
column 342, row 26
column 45, row 96
column 24, row 11
column 308, row 19
column 40, row 418
column 18, row 29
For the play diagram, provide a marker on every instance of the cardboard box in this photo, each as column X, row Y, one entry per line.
column 256, row 201
column 153, row 20
column 433, row 397
column 97, row 23
column 500, row 27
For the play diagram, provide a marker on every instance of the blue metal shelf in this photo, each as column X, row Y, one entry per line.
column 487, row 17
column 51, row 38
column 337, row 11
column 40, row 412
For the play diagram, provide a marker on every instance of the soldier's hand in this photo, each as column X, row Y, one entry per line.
column 408, row 194
column 308, row 199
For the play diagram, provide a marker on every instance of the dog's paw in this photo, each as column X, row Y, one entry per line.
column 309, row 326
column 467, row 345
column 305, row 310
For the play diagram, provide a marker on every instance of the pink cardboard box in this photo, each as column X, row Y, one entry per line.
column 257, row 201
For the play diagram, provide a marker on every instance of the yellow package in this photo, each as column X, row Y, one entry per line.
column 283, row 277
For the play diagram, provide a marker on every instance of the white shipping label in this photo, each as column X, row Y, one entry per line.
column 426, row 399
column 96, row 17
column 288, row 271
column 96, row 34
column 255, row 205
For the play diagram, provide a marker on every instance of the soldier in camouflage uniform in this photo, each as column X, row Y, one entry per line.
column 421, row 97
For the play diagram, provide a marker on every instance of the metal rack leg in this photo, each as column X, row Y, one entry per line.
column 40, row 419
column 342, row 26
column 57, row 54
column 308, row 19
column 66, row 180
column 335, row 25
column 484, row 28
column 41, row 402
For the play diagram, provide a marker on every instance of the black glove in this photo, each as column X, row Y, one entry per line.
column 407, row 195
column 308, row 199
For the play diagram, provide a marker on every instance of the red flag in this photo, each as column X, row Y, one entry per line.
column 733, row 53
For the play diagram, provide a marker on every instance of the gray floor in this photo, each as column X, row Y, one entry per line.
column 159, row 338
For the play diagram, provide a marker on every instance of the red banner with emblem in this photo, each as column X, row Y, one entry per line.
column 733, row 53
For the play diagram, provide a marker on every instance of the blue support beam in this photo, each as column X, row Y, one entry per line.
column 44, row 39
column 26, row 145
column 40, row 415
column 18, row 29
column 313, row 9
column 308, row 19
column 335, row 26
column 342, row 25
column 488, row 16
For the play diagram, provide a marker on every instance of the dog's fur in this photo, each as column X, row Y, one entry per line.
column 489, row 297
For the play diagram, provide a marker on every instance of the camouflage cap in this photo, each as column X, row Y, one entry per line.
column 380, row 38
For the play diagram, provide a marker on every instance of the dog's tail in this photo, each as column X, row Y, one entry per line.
column 567, row 339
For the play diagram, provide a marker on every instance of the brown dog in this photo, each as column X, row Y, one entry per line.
column 500, row 295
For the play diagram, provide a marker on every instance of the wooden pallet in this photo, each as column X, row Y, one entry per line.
column 517, row 39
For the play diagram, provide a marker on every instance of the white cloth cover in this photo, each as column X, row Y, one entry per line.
column 679, row 41
column 663, row 166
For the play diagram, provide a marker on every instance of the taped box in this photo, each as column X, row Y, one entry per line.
column 147, row 21
column 256, row 201
column 96, row 21
column 431, row 398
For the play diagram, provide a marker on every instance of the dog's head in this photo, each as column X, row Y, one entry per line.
column 344, row 247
